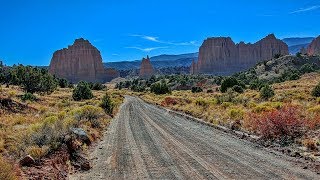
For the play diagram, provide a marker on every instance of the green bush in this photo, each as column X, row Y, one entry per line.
column 107, row 104
column 28, row 96
column 160, row 88
column 228, row 83
column 196, row 89
column 237, row 89
column 316, row 91
column 82, row 91
column 307, row 68
column 63, row 83
column 266, row 92
column 294, row 76
column 98, row 86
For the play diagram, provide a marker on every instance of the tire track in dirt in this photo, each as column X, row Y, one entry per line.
column 146, row 142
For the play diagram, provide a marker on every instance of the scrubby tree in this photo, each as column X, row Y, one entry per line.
column 266, row 92
column 107, row 104
column 229, row 83
column 237, row 89
column 63, row 83
column 160, row 88
column 316, row 91
column 307, row 68
column 196, row 89
column 98, row 86
column 82, row 91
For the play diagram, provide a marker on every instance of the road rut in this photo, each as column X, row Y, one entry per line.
column 146, row 142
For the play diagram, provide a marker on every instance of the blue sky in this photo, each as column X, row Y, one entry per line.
column 30, row 31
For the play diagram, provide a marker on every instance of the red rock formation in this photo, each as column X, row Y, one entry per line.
column 314, row 47
column 193, row 68
column 146, row 69
column 222, row 56
column 80, row 61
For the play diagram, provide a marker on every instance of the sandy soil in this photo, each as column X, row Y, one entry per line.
column 146, row 142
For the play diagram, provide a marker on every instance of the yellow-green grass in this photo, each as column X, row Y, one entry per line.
column 57, row 112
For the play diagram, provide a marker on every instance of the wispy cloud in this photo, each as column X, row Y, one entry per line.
column 146, row 49
column 115, row 54
column 149, row 38
column 156, row 39
column 310, row 8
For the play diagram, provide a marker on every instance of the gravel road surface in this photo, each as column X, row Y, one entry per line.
column 146, row 142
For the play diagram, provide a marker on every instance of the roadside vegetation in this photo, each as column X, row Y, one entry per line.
column 278, row 99
column 42, row 115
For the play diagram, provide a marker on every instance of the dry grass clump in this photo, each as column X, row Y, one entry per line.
column 6, row 170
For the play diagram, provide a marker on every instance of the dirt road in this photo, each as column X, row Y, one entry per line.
column 145, row 142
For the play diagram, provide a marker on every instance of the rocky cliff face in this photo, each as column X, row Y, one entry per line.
column 80, row 61
column 221, row 56
column 314, row 47
column 146, row 69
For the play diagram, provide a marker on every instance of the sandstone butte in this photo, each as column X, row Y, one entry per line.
column 314, row 47
column 80, row 62
column 146, row 69
column 221, row 56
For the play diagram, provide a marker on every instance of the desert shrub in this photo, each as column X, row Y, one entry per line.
column 29, row 97
column 266, row 92
column 107, row 104
column 229, row 83
column 138, row 88
column 169, row 101
column 63, row 83
column 315, row 109
column 294, row 76
column 7, row 170
column 160, row 88
column 307, row 68
column 225, row 105
column 82, row 91
column 299, row 54
column 98, row 86
column 48, row 133
column 202, row 102
column 88, row 112
column 262, row 108
column 237, row 89
column 209, row 91
column 196, row 89
column 236, row 113
column 316, row 91
column 284, row 124
column 12, row 94
column 227, row 97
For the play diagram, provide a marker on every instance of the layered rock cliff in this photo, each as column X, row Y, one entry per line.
column 146, row 69
column 80, row 61
column 314, row 47
column 221, row 56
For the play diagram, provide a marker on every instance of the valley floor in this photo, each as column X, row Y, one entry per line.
column 146, row 142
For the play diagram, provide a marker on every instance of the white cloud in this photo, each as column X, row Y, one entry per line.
column 149, row 38
column 146, row 49
column 156, row 39
column 301, row 10
column 115, row 54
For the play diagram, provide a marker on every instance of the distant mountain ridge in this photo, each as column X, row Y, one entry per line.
column 161, row 61
column 296, row 43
